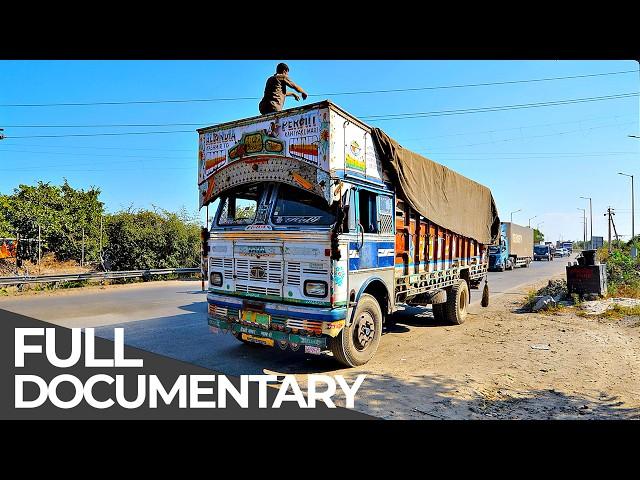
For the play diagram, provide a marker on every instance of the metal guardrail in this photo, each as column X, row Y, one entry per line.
column 70, row 277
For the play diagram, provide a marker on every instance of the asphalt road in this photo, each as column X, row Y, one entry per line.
column 169, row 318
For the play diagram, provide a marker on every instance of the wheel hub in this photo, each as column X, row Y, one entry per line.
column 364, row 331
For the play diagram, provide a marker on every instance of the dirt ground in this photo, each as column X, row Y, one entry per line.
column 48, row 266
column 487, row 368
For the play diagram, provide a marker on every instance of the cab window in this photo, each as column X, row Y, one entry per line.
column 295, row 206
column 239, row 206
column 368, row 211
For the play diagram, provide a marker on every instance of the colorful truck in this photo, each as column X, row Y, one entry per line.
column 515, row 248
column 324, row 226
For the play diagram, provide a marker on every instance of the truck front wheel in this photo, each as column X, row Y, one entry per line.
column 356, row 344
column 457, row 302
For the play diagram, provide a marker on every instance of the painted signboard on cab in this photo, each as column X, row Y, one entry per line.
column 302, row 136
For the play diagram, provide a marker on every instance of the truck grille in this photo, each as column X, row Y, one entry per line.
column 294, row 273
column 224, row 265
column 262, row 277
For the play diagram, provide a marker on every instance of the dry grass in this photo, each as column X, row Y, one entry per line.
column 619, row 311
column 626, row 291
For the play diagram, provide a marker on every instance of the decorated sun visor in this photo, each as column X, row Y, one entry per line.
column 265, row 168
column 300, row 135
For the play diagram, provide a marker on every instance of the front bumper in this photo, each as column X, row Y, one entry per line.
column 288, row 324
column 288, row 339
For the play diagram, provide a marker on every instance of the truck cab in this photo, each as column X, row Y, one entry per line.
column 542, row 252
column 499, row 258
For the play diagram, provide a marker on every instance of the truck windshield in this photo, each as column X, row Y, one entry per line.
column 540, row 249
column 494, row 249
column 295, row 206
column 238, row 206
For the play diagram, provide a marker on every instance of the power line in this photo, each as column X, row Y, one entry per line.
column 94, row 170
column 110, row 125
column 103, row 134
column 535, row 153
column 102, row 147
column 581, row 130
column 396, row 116
column 515, row 128
column 90, row 154
column 498, row 108
column 361, row 92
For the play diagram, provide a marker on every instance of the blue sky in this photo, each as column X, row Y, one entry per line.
column 540, row 160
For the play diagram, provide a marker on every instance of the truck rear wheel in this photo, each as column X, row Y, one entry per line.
column 356, row 344
column 457, row 302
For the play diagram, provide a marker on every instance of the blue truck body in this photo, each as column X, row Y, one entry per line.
column 515, row 248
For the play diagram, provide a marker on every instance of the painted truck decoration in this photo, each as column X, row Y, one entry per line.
column 328, row 248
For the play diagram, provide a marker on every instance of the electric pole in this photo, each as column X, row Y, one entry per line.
column 608, row 215
column 591, row 221
column 82, row 258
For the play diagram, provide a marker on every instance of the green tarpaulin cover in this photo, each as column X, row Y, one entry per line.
column 445, row 197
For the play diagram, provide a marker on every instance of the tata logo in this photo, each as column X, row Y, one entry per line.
column 258, row 273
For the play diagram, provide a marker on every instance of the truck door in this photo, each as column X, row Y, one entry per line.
column 374, row 247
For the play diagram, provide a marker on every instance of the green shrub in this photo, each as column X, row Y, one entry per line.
column 144, row 239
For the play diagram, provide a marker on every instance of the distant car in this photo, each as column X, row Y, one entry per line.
column 542, row 252
column 560, row 252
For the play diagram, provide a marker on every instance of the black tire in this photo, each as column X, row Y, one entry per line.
column 513, row 265
column 356, row 344
column 439, row 314
column 457, row 303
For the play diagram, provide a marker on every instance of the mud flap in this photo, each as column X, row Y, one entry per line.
column 485, row 294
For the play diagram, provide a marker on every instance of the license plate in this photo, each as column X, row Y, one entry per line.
column 261, row 340
column 256, row 317
column 311, row 349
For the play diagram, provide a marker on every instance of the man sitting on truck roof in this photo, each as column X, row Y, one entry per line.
column 275, row 91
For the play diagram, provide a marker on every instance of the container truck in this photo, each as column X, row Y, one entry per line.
column 515, row 248
column 324, row 227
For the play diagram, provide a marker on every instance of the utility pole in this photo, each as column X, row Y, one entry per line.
column 82, row 259
column 17, row 249
column 513, row 213
column 531, row 219
column 39, row 249
column 591, row 221
column 633, row 233
column 608, row 214
column 615, row 232
column 584, row 228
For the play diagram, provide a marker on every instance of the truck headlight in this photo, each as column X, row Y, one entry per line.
column 315, row 288
column 216, row 279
